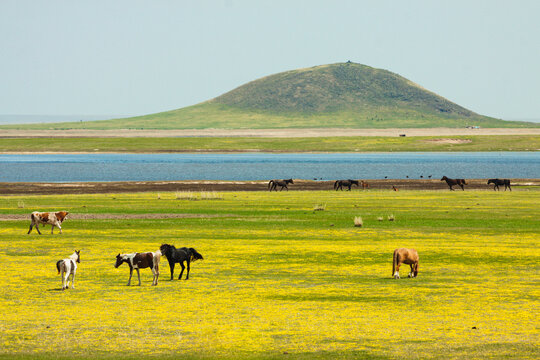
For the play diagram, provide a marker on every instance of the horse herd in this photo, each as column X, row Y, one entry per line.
column 339, row 184
column 68, row 267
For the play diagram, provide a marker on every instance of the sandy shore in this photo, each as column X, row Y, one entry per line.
column 280, row 133
column 210, row 186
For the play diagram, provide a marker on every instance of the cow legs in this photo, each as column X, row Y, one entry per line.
column 37, row 228
column 31, row 226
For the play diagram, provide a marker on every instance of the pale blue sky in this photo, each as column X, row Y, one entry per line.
column 139, row 57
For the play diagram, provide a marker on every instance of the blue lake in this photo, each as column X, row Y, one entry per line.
column 263, row 166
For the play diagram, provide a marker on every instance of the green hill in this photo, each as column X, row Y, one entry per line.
column 337, row 95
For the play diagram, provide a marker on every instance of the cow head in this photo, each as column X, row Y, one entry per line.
column 61, row 215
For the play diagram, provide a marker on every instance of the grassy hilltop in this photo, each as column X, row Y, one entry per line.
column 342, row 95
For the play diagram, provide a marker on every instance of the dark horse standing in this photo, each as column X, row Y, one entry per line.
column 273, row 184
column 175, row 255
column 452, row 182
column 497, row 182
column 338, row 185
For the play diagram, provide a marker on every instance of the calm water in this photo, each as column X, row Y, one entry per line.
column 261, row 166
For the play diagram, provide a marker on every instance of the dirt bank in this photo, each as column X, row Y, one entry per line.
column 88, row 216
column 205, row 186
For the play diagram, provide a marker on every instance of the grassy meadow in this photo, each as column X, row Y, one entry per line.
column 279, row 279
column 307, row 144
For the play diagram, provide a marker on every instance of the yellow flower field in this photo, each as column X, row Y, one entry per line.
column 279, row 280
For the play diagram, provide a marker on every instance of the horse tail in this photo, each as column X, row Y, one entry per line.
column 464, row 182
column 58, row 265
column 195, row 255
column 335, row 184
column 394, row 261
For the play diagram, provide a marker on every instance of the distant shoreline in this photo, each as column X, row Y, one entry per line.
column 271, row 133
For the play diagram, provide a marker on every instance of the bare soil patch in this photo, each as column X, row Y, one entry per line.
column 88, row 216
column 450, row 141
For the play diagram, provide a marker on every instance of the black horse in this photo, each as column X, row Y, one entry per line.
column 452, row 182
column 497, row 182
column 273, row 184
column 175, row 255
column 338, row 185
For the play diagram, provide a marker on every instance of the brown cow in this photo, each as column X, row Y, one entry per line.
column 51, row 218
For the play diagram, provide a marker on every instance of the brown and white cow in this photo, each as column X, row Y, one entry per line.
column 51, row 218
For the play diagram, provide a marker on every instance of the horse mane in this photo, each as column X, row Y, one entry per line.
column 167, row 249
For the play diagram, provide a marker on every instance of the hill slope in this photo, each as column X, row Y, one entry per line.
column 345, row 95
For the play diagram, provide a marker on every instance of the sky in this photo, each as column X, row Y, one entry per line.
column 120, row 58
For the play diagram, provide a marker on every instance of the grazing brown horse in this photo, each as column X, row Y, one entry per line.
column 365, row 185
column 338, row 185
column 497, row 182
column 140, row 261
column 273, row 184
column 452, row 182
column 405, row 256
